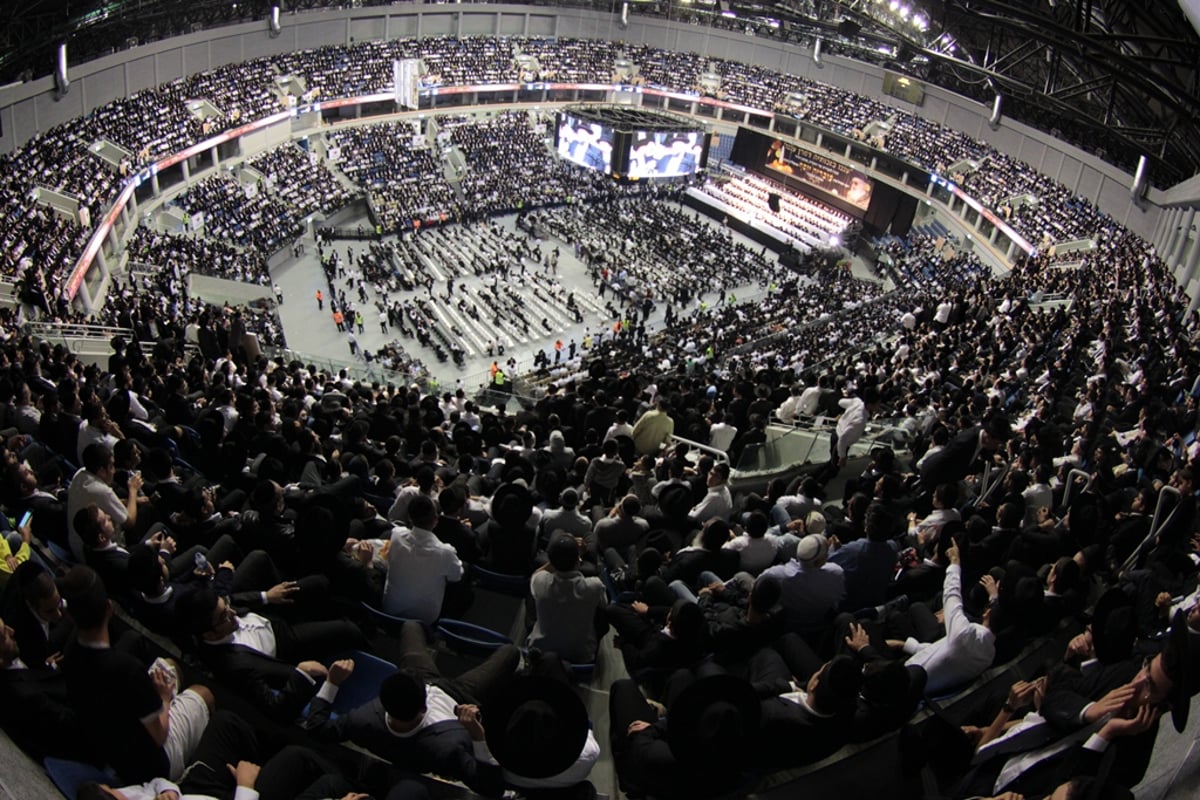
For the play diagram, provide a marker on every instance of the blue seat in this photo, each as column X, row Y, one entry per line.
column 583, row 672
column 363, row 684
column 67, row 776
column 390, row 621
column 505, row 583
column 465, row 637
column 61, row 553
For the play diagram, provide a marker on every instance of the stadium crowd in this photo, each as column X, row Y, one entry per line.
column 155, row 122
column 216, row 539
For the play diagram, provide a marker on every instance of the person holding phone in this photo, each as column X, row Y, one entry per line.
column 14, row 548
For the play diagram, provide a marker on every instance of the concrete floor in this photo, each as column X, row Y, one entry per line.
column 311, row 332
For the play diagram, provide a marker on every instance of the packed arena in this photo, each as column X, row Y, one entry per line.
column 586, row 490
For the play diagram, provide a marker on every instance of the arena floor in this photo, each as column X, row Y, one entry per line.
column 311, row 332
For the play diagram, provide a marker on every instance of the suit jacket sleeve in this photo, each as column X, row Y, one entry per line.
column 278, row 688
column 323, row 726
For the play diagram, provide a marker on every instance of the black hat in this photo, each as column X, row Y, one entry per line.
column 1114, row 627
column 1178, row 669
column 713, row 721
column 512, row 504
column 998, row 427
column 537, row 727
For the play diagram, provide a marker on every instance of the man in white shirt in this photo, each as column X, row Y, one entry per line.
column 967, row 649
column 97, row 428
column 788, row 408
column 717, row 502
column 810, row 398
column 92, row 485
column 721, row 434
column 852, row 423
column 419, row 566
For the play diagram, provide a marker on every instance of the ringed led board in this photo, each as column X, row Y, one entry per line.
column 665, row 154
column 588, row 144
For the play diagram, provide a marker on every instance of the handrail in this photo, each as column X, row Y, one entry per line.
column 1066, row 501
column 987, row 483
column 719, row 454
column 1155, row 527
column 37, row 326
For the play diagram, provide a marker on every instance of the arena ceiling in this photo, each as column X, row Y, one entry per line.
column 1116, row 77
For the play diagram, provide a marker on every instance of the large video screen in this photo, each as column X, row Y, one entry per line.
column 803, row 170
column 665, row 154
column 588, row 144
column 820, row 172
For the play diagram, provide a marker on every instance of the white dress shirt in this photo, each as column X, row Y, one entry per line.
column 419, row 565
column 151, row 790
column 851, row 424
column 963, row 654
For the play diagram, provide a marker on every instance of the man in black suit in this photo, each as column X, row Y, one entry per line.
column 952, row 463
column 156, row 588
column 801, row 726
column 274, row 663
column 1071, row 734
column 704, row 747
column 33, row 704
column 417, row 721
column 33, row 607
column 97, row 531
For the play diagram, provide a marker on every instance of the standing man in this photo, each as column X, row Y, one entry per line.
column 320, row 301
column 851, row 425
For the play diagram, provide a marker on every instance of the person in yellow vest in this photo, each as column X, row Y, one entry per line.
column 587, row 342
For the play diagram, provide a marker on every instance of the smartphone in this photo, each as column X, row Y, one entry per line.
column 28, row 515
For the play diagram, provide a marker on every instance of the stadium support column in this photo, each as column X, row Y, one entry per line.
column 216, row 156
column 1174, row 220
column 187, row 171
column 1182, row 240
column 1162, row 241
column 1159, row 227
column 114, row 240
column 1189, row 271
column 125, row 215
column 154, row 183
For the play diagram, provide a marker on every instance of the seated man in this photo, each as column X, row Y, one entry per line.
column 155, row 588
column 34, row 708
column 812, row 589
column 417, row 721
column 222, row 768
column 274, row 663
column 419, row 566
column 132, row 717
column 92, row 485
column 33, row 607
column 801, row 726
column 568, row 606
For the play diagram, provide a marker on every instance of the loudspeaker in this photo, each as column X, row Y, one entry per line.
column 773, row 202
column 848, row 28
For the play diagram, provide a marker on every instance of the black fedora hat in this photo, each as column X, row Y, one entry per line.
column 537, row 727
column 1114, row 627
column 713, row 722
column 512, row 503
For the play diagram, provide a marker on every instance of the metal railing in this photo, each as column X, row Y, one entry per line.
column 797, row 446
column 1071, row 476
column 1157, row 523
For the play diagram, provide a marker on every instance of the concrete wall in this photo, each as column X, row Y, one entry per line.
column 29, row 108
